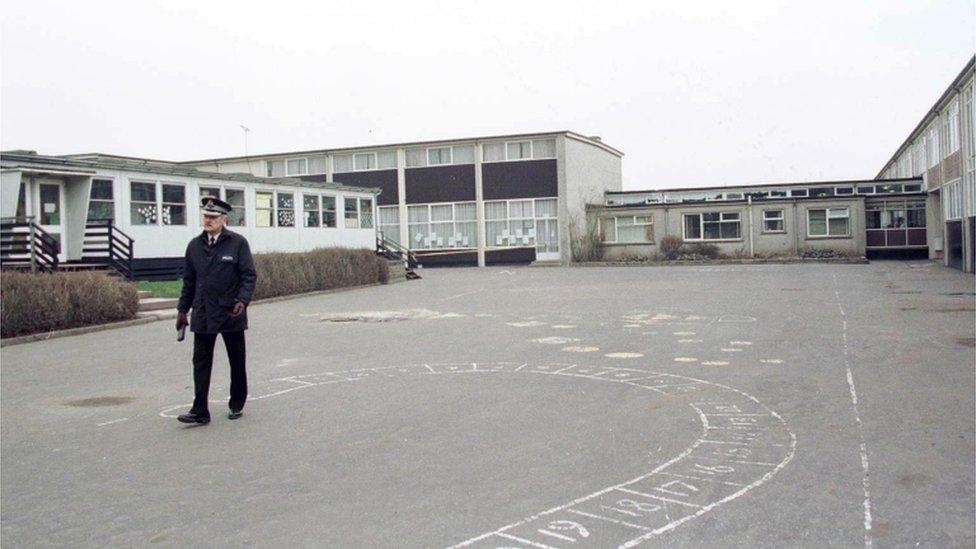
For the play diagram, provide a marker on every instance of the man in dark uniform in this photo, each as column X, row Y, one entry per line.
column 218, row 281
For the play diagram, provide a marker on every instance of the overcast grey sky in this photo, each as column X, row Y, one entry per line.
column 695, row 93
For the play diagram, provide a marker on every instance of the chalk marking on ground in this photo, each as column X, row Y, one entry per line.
column 715, row 363
column 770, row 361
column 111, row 422
column 580, row 349
column 865, row 468
column 685, row 359
column 624, row 355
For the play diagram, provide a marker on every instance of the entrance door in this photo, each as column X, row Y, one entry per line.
column 547, row 240
column 50, row 212
column 954, row 243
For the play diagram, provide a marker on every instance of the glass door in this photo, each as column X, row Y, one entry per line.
column 50, row 212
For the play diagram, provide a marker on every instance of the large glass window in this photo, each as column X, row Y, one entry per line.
column 174, row 205
column 773, row 221
column 439, row 155
column 237, row 216
column 629, row 229
column 544, row 148
column 390, row 223
column 496, row 223
column 712, row 226
column 351, row 213
column 342, row 163
column 418, row 226
column 276, row 168
column 297, row 166
column 464, row 154
column 316, row 165
column 386, row 160
column 328, row 211
column 310, row 208
column 828, row 222
column 365, row 213
column 493, row 152
column 142, row 203
column 416, row 158
column 519, row 150
column 286, row 209
column 437, row 226
column 364, row 161
column 264, row 209
column 50, row 204
column 101, row 204
column 950, row 126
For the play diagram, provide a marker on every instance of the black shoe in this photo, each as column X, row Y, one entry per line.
column 234, row 414
column 192, row 417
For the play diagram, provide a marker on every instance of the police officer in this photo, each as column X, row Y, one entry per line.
column 218, row 281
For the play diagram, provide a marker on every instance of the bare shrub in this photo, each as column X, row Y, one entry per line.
column 671, row 246
column 703, row 249
column 584, row 239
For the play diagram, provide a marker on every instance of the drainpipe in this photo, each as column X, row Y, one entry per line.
column 752, row 249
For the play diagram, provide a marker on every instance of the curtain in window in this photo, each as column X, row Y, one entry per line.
column 817, row 222
column 464, row 154
column 416, row 158
column 386, row 160
column 493, row 152
column 263, row 209
column 310, row 207
column 316, row 165
column 544, row 148
column 342, row 163
column 545, row 208
column 276, row 168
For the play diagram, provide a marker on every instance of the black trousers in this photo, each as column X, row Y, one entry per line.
column 203, row 350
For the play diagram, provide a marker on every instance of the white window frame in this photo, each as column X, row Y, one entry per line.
column 372, row 211
column 450, row 156
column 701, row 226
column 532, row 152
column 829, row 213
column 370, row 156
column 950, row 127
column 616, row 228
column 508, row 219
column 275, row 209
column 111, row 201
column 155, row 204
column 781, row 218
column 304, row 162
column 454, row 221
column 452, row 162
column 844, row 191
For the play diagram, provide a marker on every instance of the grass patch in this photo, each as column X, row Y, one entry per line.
column 162, row 288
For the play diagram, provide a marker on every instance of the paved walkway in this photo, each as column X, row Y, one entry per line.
column 773, row 405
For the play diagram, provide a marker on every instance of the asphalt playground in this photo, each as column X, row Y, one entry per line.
column 727, row 405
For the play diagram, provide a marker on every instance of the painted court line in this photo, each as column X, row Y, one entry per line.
column 865, row 467
column 608, row 519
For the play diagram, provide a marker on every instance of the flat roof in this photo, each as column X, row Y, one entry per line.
column 788, row 184
column 31, row 161
column 933, row 111
column 579, row 137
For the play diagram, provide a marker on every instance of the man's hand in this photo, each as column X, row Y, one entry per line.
column 181, row 319
column 238, row 309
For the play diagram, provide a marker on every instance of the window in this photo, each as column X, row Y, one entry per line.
column 493, row 152
column 440, row 155
column 365, row 213
column 351, row 214
column 918, row 156
column 286, row 209
column 628, row 229
column 418, row 226
column 311, row 204
column 389, row 224
column 297, row 166
column 364, row 161
column 887, row 189
column 416, row 158
column 439, row 226
column 329, row 211
column 932, row 146
column 237, row 216
column 100, row 202
column 264, row 208
column 799, row 192
column 712, row 226
column 913, row 188
column 174, row 205
column 821, row 191
column 777, row 194
column 544, row 148
column 518, row 151
column 464, row 154
column 386, row 160
column 773, row 221
column 865, row 189
column 828, row 222
column 316, row 165
column 844, row 191
column 276, row 168
column 733, row 196
column 142, row 203
column 342, row 163
column 950, row 127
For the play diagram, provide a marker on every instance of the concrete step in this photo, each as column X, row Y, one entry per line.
column 144, row 294
column 157, row 303
column 158, row 314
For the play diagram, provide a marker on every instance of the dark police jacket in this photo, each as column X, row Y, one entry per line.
column 214, row 278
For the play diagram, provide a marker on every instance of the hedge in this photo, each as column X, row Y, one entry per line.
column 322, row 269
column 31, row 303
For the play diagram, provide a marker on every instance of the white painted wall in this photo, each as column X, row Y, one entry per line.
column 585, row 173
column 9, row 190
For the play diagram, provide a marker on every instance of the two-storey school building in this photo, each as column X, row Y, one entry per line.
column 84, row 203
column 852, row 217
column 942, row 150
column 476, row 201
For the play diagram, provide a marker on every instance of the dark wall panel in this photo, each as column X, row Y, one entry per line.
column 447, row 260
column 440, row 184
column 386, row 180
column 510, row 255
column 523, row 179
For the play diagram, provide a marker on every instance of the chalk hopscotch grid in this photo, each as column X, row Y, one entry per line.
column 743, row 431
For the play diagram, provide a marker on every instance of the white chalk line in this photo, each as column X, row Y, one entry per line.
column 111, row 422
column 865, row 467
column 554, row 369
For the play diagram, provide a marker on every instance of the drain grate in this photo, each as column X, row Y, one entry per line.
column 99, row 401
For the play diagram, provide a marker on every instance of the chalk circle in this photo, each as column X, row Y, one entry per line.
column 580, row 349
column 742, row 444
column 624, row 355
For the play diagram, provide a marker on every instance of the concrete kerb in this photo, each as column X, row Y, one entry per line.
column 162, row 315
column 679, row 263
